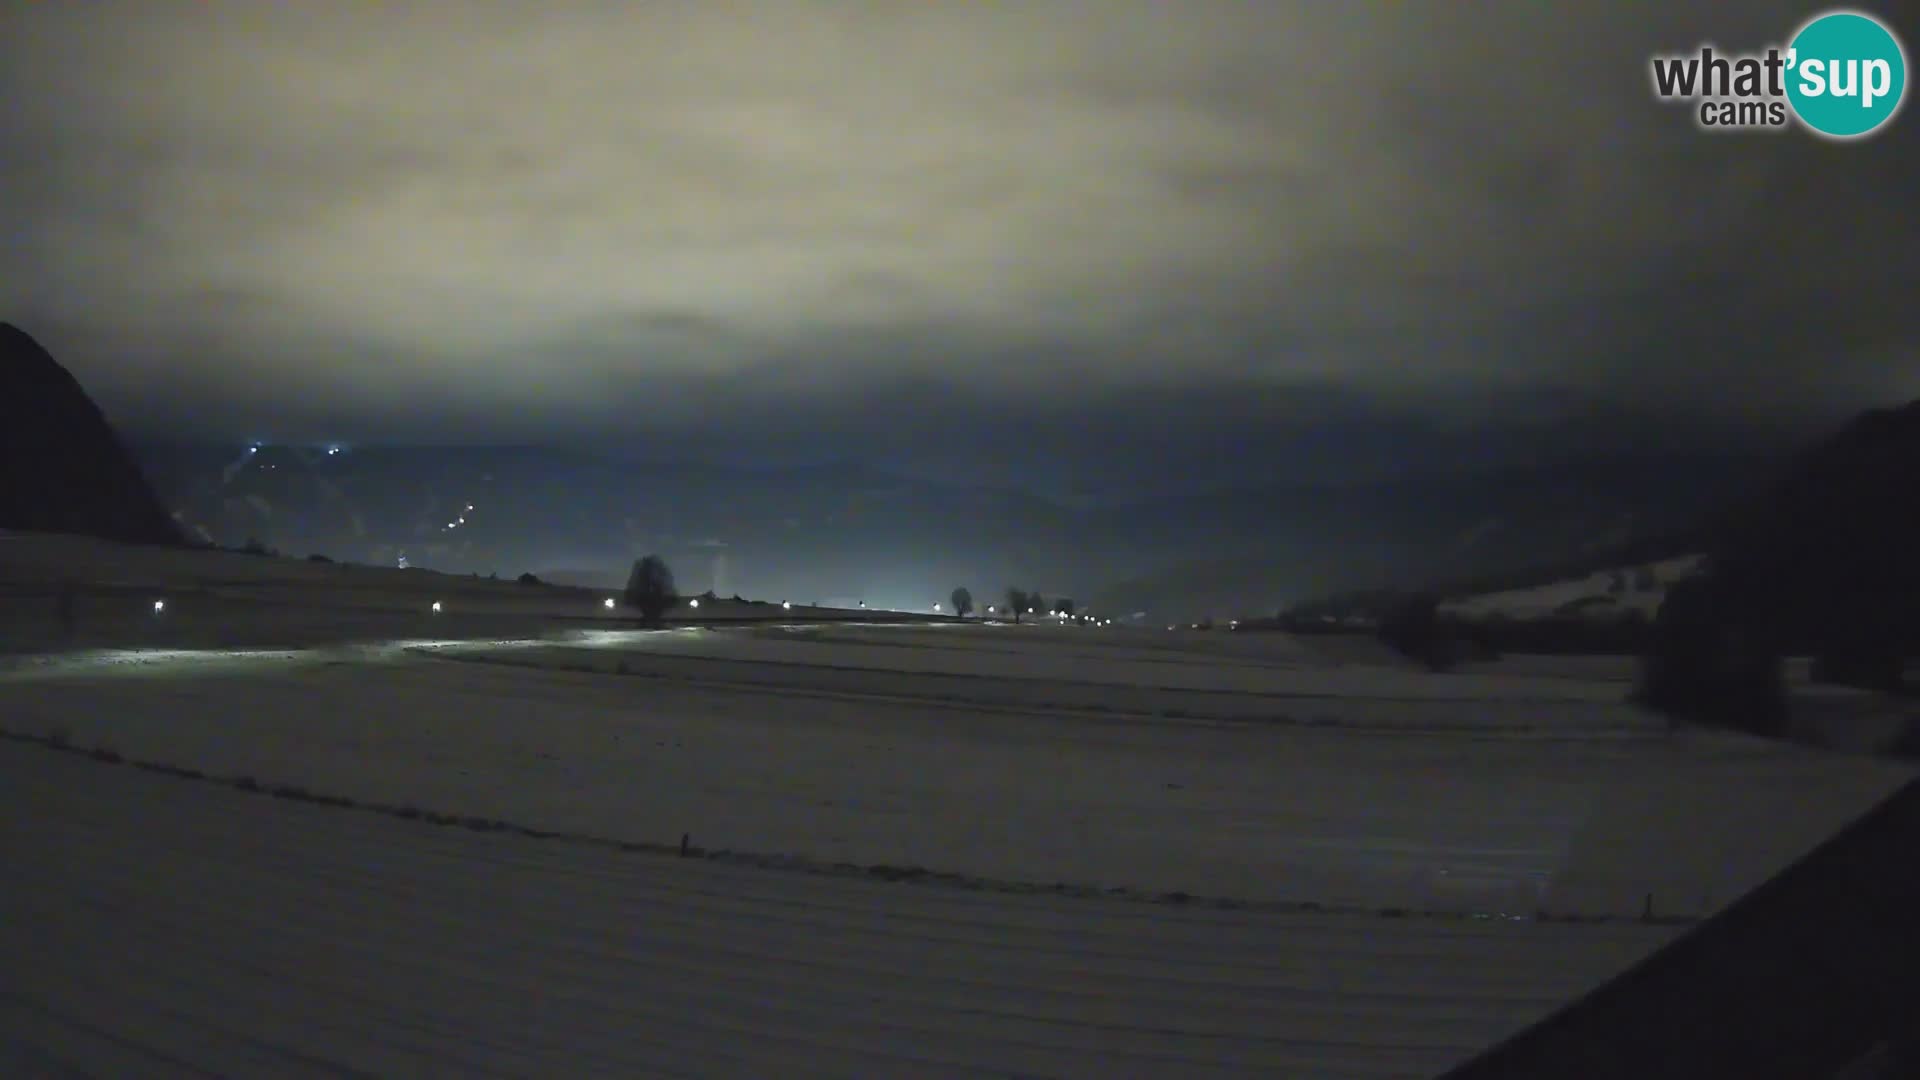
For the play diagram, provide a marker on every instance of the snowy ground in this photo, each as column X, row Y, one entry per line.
column 170, row 927
column 1432, row 821
column 1602, row 594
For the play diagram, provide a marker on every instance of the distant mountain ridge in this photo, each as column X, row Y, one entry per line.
column 1299, row 543
column 62, row 467
column 850, row 530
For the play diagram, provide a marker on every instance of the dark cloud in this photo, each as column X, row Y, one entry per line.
column 667, row 222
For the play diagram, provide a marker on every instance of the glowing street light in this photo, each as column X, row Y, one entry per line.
column 159, row 606
column 609, row 603
column 694, row 603
column 436, row 607
column 786, row 605
column 936, row 607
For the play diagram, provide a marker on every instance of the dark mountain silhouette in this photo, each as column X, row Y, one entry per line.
column 62, row 468
column 1825, row 561
column 1832, row 550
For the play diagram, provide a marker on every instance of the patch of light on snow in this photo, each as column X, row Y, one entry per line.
column 613, row 639
column 157, row 661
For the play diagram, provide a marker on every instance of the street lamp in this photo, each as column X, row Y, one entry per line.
column 436, row 607
column 609, row 603
column 159, row 606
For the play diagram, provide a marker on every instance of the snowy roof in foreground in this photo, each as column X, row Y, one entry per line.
column 174, row 925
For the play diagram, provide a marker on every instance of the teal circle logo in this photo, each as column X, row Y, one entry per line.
column 1846, row 75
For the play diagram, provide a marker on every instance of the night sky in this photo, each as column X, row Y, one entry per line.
column 1055, row 237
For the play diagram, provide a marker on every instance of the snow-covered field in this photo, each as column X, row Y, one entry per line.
column 216, row 599
column 156, row 927
column 1602, row 594
column 1146, row 853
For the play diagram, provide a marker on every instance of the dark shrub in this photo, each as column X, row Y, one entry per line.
column 1413, row 629
column 650, row 588
column 529, row 579
column 1713, row 659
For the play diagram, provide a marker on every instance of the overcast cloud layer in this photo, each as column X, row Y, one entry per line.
column 575, row 220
